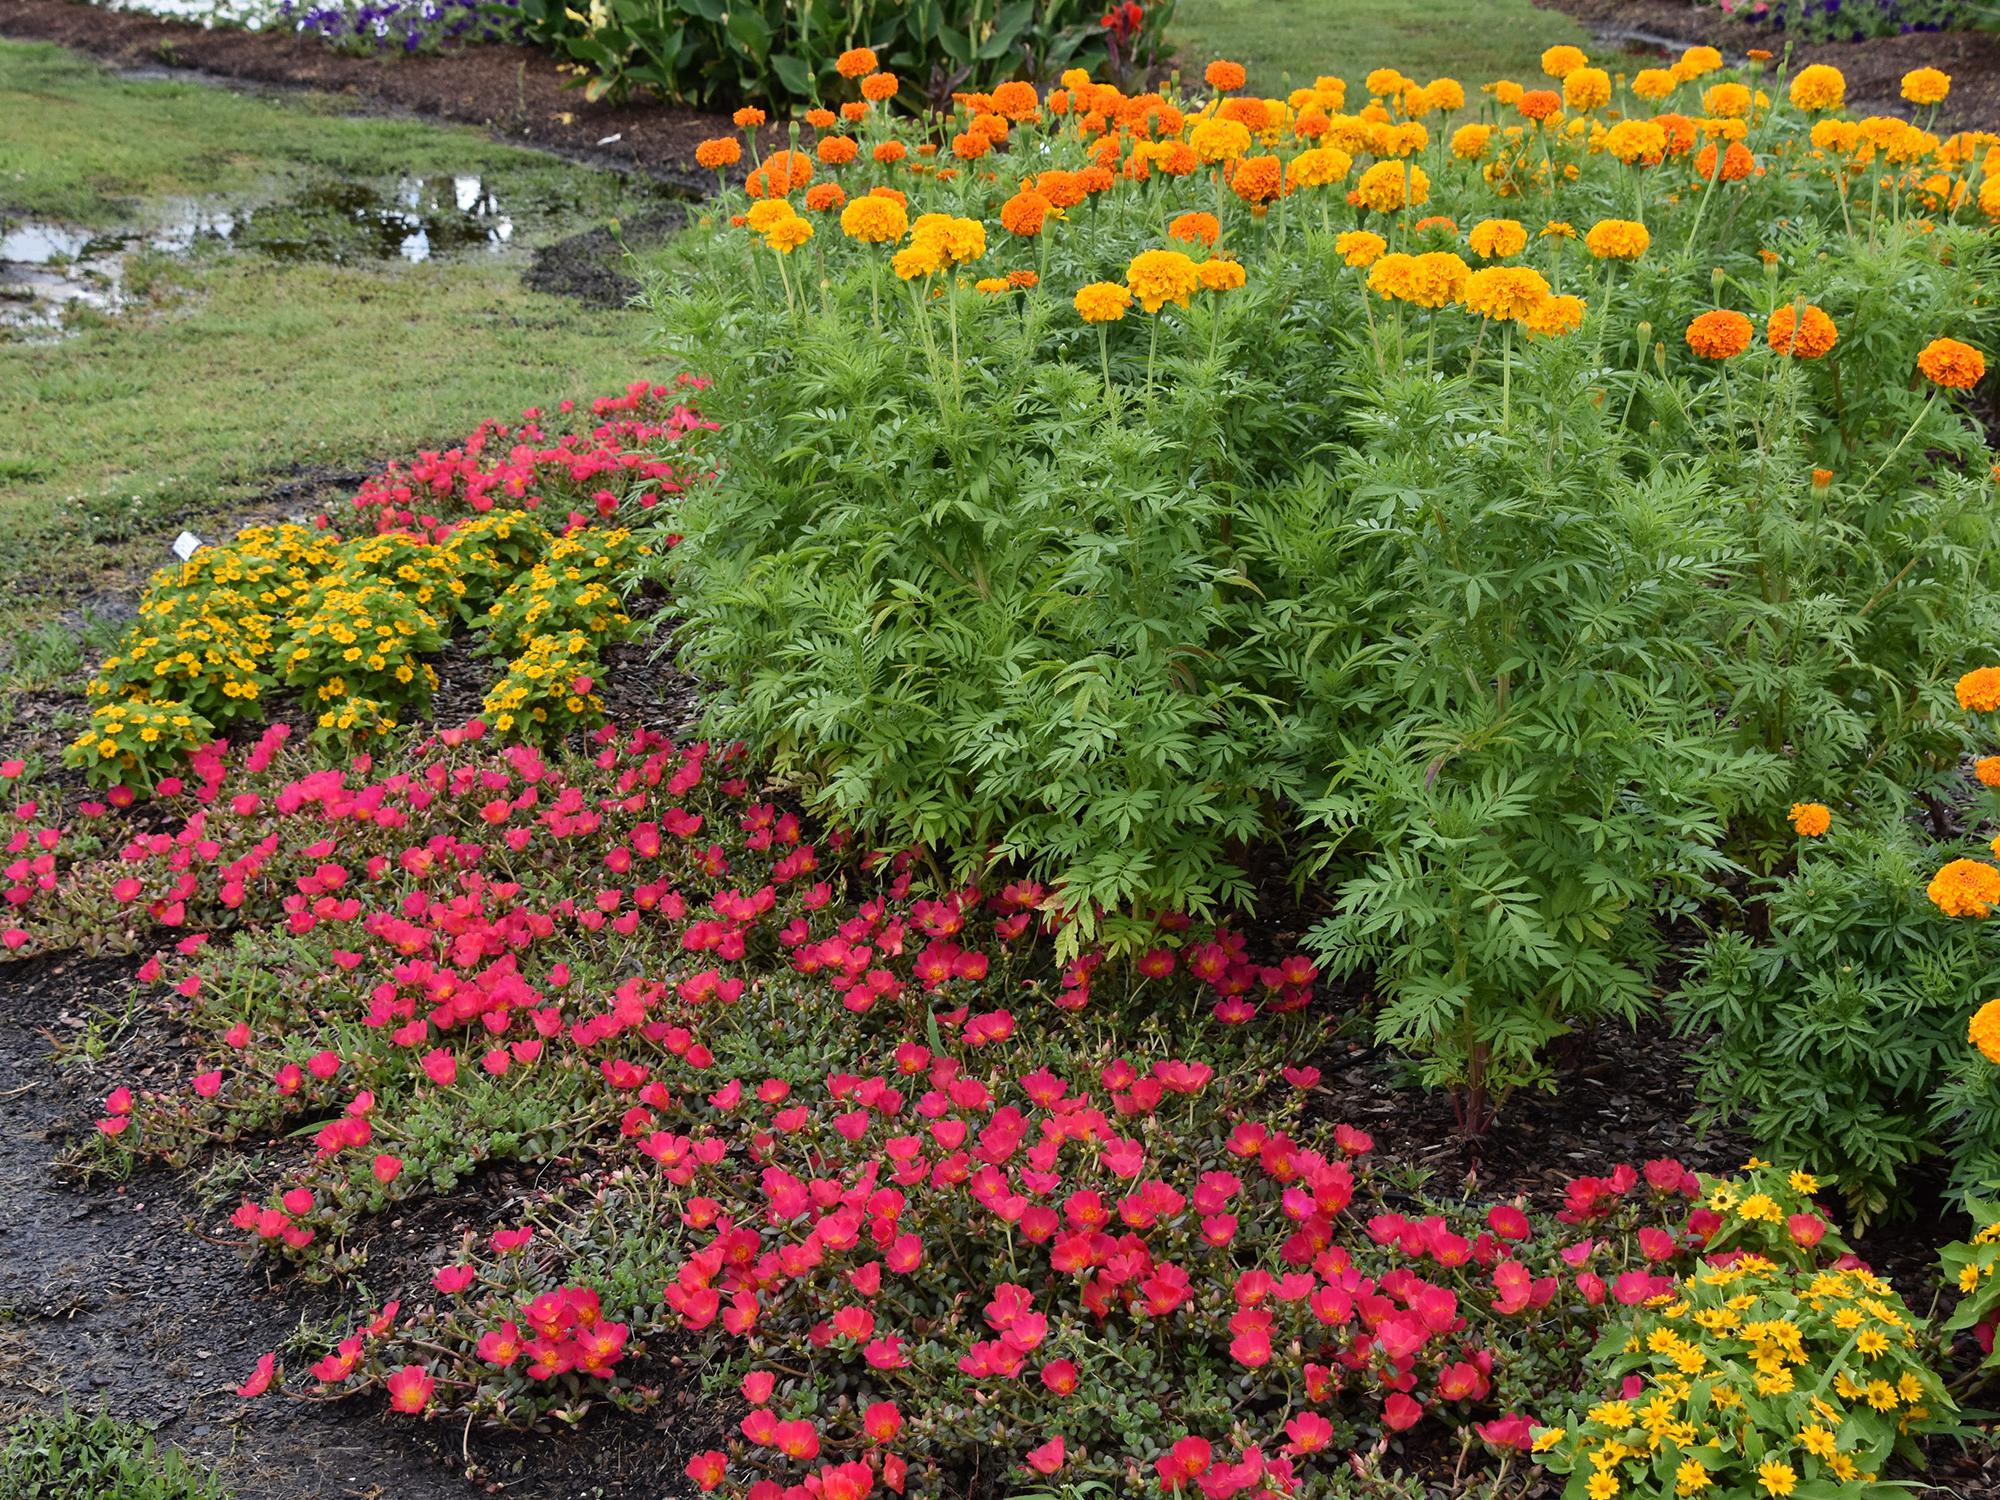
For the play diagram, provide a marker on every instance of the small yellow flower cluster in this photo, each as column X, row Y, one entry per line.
column 549, row 690
column 1754, row 1379
column 130, row 738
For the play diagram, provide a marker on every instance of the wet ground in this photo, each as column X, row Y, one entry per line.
column 50, row 269
column 116, row 1295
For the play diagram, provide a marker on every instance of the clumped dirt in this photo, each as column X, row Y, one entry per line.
column 589, row 267
column 1874, row 67
column 519, row 93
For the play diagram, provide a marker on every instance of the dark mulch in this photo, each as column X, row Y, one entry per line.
column 1874, row 67
column 516, row 92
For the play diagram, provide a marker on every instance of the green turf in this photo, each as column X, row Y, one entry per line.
column 233, row 367
column 1291, row 41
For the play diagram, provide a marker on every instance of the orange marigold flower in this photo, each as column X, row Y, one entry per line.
column 1022, row 280
column 1250, row 113
column 1807, row 334
column 1737, row 162
column 1179, row 160
column 1983, row 1031
column 748, row 117
column 1727, row 101
column 1554, row 316
column 837, row 150
column 970, row 146
column 1617, row 239
column 855, row 62
column 1987, row 769
column 1063, row 189
column 854, row 111
column 1721, row 334
column 722, row 151
column 888, row 153
column 1810, row 819
column 782, row 173
column 1096, row 179
column 1442, row 224
column 1195, row 229
column 1258, row 180
column 1979, row 690
column 1817, row 87
column 1102, row 302
column 1024, row 213
column 1540, row 104
column 1016, row 100
column 1822, row 478
column 1505, row 293
column 1953, row 365
column 820, row 119
column 1224, row 76
column 879, row 88
column 1965, row 888
column 1220, row 275
column 822, row 196
column 1926, row 86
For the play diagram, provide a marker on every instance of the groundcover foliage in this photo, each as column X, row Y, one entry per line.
column 1491, row 512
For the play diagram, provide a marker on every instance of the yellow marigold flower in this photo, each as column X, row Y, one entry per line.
column 1818, row 87
column 1979, row 690
column 1983, row 1031
column 917, row 260
column 1721, row 334
column 1360, row 248
column 1634, row 141
column 1390, row 185
column 1698, row 62
column 1505, row 292
column 1219, row 140
column 1468, row 142
column 1618, row 239
column 1965, row 888
column 1811, row 819
column 1926, row 86
column 1562, row 60
column 1953, row 365
column 1318, row 167
column 1220, row 275
column 787, row 235
column 1102, row 302
column 1807, row 334
column 1586, row 89
column 874, row 221
column 992, row 285
column 1383, row 83
column 1497, row 239
column 1445, row 94
column 1729, row 101
column 1654, row 84
column 1158, row 277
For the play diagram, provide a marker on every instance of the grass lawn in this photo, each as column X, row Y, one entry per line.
column 233, row 367
column 1282, row 41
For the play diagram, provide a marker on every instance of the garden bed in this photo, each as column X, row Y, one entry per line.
column 1874, row 67
column 518, row 92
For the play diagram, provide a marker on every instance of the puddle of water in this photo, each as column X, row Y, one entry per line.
column 47, row 269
